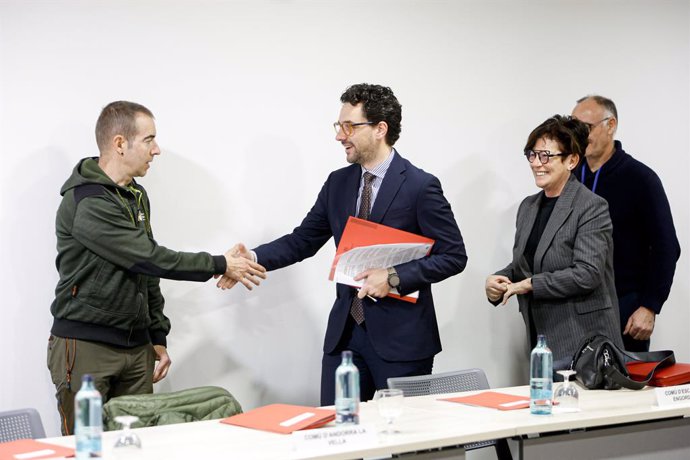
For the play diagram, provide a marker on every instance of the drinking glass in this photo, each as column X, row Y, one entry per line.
column 390, row 405
column 566, row 395
column 128, row 441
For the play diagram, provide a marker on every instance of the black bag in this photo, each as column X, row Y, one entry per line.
column 600, row 364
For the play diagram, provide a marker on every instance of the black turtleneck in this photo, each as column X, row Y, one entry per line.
column 546, row 206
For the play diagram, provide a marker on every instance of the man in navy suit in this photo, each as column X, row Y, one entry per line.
column 390, row 337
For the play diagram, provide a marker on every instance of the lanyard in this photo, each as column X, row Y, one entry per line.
column 596, row 177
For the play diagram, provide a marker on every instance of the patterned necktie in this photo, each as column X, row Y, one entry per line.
column 357, row 308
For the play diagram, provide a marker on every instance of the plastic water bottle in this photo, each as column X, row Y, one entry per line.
column 88, row 421
column 347, row 391
column 541, row 378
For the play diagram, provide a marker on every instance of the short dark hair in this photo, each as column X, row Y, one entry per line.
column 118, row 117
column 570, row 133
column 378, row 104
column 604, row 102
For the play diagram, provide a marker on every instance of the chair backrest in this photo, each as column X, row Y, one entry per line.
column 447, row 382
column 20, row 424
column 451, row 382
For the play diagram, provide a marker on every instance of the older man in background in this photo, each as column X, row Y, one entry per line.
column 645, row 246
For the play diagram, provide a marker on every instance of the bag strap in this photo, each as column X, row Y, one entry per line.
column 662, row 358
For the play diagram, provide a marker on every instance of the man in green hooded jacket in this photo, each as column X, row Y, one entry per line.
column 108, row 307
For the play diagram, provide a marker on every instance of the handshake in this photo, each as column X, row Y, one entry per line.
column 241, row 268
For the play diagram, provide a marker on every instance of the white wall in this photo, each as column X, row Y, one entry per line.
column 244, row 94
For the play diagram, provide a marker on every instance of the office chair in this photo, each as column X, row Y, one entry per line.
column 451, row 382
column 20, row 424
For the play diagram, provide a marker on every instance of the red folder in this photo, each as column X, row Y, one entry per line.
column 282, row 418
column 9, row 450
column 675, row 374
column 360, row 233
column 493, row 400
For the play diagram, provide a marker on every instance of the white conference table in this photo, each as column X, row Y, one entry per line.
column 420, row 429
column 620, row 424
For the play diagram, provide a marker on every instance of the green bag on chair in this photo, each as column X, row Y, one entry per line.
column 191, row 405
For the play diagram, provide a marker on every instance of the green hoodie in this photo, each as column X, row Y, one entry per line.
column 110, row 266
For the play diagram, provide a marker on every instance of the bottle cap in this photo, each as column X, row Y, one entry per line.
column 87, row 378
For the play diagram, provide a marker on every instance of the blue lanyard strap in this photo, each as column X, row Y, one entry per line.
column 596, row 177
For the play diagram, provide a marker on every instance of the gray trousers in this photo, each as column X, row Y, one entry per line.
column 116, row 372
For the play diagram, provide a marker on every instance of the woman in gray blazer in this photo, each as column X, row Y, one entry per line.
column 562, row 267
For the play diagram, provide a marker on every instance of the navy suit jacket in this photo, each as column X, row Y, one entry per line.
column 409, row 199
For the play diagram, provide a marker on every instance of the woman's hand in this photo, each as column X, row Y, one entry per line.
column 496, row 286
column 523, row 287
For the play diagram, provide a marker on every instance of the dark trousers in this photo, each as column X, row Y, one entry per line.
column 373, row 370
column 627, row 305
column 116, row 372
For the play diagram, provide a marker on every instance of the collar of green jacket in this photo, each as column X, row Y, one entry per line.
column 87, row 171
